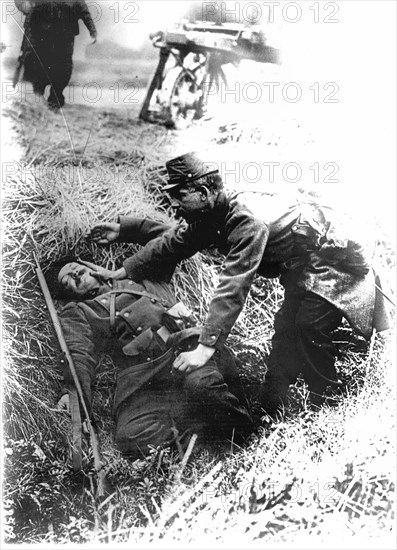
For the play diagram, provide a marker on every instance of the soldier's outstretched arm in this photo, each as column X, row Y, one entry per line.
column 128, row 230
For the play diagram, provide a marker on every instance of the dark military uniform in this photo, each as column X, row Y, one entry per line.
column 48, row 43
column 324, row 269
column 140, row 326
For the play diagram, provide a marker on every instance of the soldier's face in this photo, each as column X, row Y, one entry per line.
column 77, row 279
column 187, row 203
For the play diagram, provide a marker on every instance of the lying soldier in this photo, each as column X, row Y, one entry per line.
column 143, row 328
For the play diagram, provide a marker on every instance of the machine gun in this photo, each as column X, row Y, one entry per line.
column 179, row 94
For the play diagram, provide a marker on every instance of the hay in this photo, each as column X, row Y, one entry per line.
column 51, row 206
column 57, row 193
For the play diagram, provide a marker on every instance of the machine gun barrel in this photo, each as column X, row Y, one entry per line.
column 180, row 93
column 233, row 39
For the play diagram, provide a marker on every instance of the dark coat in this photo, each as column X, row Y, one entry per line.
column 132, row 341
column 48, row 43
column 270, row 237
column 56, row 16
column 143, row 335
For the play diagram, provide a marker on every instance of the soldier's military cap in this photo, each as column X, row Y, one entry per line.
column 187, row 168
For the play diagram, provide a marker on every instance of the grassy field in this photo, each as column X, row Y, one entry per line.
column 312, row 479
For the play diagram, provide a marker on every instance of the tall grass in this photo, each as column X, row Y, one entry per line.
column 326, row 476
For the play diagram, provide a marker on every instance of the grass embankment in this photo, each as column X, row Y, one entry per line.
column 313, row 478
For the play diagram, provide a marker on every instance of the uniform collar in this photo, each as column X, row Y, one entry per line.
column 221, row 205
column 104, row 288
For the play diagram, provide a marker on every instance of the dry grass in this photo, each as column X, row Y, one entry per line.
column 309, row 478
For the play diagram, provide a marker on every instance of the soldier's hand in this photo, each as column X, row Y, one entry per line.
column 105, row 233
column 97, row 270
column 103, row 273
column 64, row 403
column 94, row 37
column 189, row 361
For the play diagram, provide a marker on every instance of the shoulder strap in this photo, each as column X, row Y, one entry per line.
column 142, row 294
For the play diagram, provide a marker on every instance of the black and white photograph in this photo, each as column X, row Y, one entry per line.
column 198, row 253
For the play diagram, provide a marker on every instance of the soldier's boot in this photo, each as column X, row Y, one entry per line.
column 56, row 99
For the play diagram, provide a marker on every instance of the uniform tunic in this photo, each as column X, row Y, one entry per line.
column 150, row 399
column 259, row 234
column 324, row 268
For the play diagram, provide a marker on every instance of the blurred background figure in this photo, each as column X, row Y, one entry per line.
column 48, row 42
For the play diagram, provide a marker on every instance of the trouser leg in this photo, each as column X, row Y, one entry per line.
column 36, row 66
column 210, row 400
column 227, row 364
column 143, row 421
column 61, row 71
column 315, row 321
column 283, row 363
column 301, row 344
column 174, row 403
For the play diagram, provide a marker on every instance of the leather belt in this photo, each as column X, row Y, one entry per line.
column 141, row 294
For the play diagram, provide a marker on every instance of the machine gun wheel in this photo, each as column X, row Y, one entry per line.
column 181, row 95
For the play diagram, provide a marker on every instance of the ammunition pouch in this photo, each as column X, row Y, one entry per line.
column 346, row 254
column 315, row 233
column 178, row 317
column 306, row 240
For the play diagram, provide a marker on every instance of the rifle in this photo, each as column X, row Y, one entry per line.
column 24, row 48
column 75, row 393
